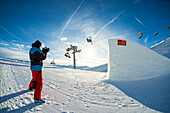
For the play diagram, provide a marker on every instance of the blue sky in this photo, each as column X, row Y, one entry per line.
column 59, row 23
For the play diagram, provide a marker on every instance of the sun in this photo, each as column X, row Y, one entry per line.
column 89, row 52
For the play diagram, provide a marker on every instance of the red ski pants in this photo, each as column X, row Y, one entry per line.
column 37, row 76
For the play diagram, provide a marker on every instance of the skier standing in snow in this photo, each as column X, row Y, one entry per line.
column 37, row 56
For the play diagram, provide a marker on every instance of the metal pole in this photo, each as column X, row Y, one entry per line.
column 74, row 48
column 74, row 59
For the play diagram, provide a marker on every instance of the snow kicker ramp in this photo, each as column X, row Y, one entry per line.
column 129, row 60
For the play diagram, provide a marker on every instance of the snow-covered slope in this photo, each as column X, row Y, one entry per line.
column 135, row 62
column 65, row 91
column 162, row 48
column 153, row 93
column 101, row 68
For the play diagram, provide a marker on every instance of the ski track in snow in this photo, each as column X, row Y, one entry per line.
column 65, row 91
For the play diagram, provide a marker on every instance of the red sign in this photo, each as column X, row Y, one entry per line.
column 121, row 42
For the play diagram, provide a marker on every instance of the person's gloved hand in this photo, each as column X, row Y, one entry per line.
column 45, row 50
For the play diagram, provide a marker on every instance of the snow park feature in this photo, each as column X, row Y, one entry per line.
column 140, row 73
column 134, row 61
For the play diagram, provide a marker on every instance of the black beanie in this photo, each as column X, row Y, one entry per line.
column 38, row 43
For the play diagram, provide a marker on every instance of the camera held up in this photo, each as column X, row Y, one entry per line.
column 45, row 50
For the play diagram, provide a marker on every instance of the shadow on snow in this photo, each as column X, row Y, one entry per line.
column 20, row 109
column 153, row 93
column 7, row 97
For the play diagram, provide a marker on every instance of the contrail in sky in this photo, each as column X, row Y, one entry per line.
column 146, row 39
column 140, row 21
column 109, row 23
column 11, row 33
column 69, row 20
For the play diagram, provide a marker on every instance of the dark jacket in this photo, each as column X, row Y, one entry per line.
column 36, row 57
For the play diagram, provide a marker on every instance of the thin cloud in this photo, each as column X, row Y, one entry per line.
column 74, row 44
column 68, row 43
column 28, row 46
column 4, row 52
column 69, row 20
column 63, row 38
column 19, row 45
column 4, row 44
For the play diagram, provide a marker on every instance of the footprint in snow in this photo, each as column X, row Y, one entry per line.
column 68, row 112
column 87, row 106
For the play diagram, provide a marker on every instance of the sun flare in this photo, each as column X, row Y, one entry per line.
column 89, row 52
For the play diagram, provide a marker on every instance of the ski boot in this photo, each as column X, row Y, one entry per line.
column 31, row 89
column 39, row 101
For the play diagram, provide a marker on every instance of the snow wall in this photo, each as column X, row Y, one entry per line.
column 129, row 60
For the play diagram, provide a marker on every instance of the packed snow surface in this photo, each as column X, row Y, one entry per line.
column 65, row 91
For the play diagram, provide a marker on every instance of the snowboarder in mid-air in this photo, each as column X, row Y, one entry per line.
column 37, row 56
column 89, row 40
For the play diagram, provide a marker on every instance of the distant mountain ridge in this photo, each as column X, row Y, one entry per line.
column 101, row 68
